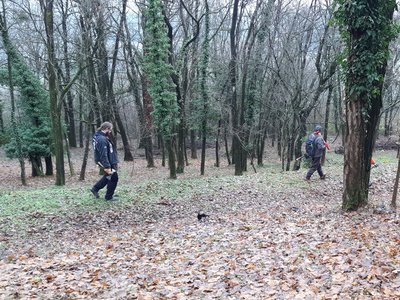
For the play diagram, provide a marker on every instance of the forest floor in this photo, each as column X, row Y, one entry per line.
column 268, row 235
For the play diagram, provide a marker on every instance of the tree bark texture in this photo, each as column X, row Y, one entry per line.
column 362, row 107
column 53, row 92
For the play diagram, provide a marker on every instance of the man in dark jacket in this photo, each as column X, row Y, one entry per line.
column 320, row 146
column 105, row 155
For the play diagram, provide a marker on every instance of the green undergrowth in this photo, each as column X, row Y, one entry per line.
column 24, row 205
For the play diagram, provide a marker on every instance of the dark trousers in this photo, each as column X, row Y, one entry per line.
column 315, row 166
column 109, row 181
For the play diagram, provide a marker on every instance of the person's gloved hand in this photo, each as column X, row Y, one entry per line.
column 108, row 171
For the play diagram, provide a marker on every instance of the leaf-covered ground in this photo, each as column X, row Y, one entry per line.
column 268, row 235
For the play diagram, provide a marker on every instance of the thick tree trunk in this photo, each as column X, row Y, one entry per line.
column 171, row 158
column 53, row 92
column 356, row 169
column 193, row 146
column 37, row 167
column 49, row 165
column 363, row 105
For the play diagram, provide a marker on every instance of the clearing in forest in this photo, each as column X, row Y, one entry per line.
column 267, row 235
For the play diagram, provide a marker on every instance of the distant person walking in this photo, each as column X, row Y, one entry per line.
column 105, row 155
column 315, row 147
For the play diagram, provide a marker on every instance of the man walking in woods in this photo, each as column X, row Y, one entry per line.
column 105, row 155
column 315, row 147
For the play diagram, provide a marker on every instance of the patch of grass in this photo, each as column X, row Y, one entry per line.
column 19, row 207
column 385, row 157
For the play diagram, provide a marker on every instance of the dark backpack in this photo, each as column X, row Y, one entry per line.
column 310, row 145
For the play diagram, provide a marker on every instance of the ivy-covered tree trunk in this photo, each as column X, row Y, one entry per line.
column 32, row 139
column 161, row 86
column 367, row 27
column 236, row 142
column 203, row 88
column 181, row 134
column 148, row 122
column 9, row 52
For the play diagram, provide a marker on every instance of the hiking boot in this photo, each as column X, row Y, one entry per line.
column 323, row 177
column 307, row 179
column 95, row 193
column 115, row 198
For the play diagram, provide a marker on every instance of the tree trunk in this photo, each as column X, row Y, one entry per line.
column 162, row 147
column 80, row 120
column 171, row 158
column 87, row 148
column 363, row 105
column 393, row 204
column 326, row 123
column 217, row 143
column 236, row 143
column 337, row 105
column 148, row 124
column 49, row 165
column 228, row 157
column 261, row 147
column 110, row 88
column 203, row 87
column 68, row 150
column 37, row 168
column 53, row 92
column 69, row 102
column 356, row 161
column 102, row 78
column 7, row 46
column 144, row 110
column 193, row 146
column 180, row 101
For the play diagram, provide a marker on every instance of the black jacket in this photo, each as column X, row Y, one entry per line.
column 105, row 152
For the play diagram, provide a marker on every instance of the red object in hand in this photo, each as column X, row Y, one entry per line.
column 327, row 146
column 372, row 161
